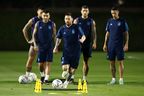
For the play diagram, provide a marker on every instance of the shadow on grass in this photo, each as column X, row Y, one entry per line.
column 50, row 89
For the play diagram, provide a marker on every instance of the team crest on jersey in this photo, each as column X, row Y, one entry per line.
column 79, row 23
column 119, row 23
column 64, row 33
column 73, row 32
column 40, row 27
column 111, row 24
column 88, row 23
column 49, row 27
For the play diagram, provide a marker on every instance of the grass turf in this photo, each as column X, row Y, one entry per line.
column 12, row 65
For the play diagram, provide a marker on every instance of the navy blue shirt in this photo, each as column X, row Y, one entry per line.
column 70, row 36
column 34, row 21
column 116, row 28
column 86, row 25
column 44, row 34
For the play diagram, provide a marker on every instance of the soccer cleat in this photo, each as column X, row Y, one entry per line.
column 112, row 82
column 65, row 84
column 42, row 80
column 71, row 81
column 121, row 82
column 46, row 82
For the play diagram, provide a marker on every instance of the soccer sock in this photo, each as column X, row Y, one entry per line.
column 72, row 77
column 28, row 73
column 121, row 79
column 114, row 79
column 69, row 77
column 84, row 77
column 42, row 74
column 46, row 77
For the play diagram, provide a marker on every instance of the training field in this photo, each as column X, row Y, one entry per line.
column 12, row 65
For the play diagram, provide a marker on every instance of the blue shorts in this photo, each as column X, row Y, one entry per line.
column 116, row 52
column 45, row 55
column 86, row 50
column 72, row 60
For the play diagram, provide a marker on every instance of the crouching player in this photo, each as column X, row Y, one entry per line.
column 44, row 32
column 72, row 35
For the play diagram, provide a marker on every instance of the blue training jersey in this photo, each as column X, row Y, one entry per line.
column 70, row 36
column 34, row 21
column 86, row 25
column 116, row 28
column 44, row 34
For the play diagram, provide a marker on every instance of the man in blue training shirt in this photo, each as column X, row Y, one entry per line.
column 32, row 53
column 88, row 25
column 43, row 35
column 116, row 30
column 72, row 35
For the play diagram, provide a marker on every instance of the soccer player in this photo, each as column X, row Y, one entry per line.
column 88, row 25
column 32, row 53
column 44, row 32
column 114, row 44
column 72, row 35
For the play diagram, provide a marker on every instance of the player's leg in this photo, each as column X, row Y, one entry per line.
column 87, row 50
column 48, row 60
column 65, row 69
column 47, row 71
column 42, row 68
column 42, row 64
column 120, row 57
column 111, row 56
column 85, row 67
column 113, row 72
column 121, row 69
column 31, row 57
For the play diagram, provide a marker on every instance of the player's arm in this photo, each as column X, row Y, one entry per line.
column 126, row 41
column 81, row 33
column 58, row 41
column 34, row 37
column 75, row 21
column 94, row 35
column 25, row 30
column 54, row 32
column 105, row 42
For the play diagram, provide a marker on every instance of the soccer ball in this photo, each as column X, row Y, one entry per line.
column 32, row 77
column 23, row 79
column 57, row 84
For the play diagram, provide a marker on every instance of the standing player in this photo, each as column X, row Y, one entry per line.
column 88, row 25
column 44, row 32
column 116, row 29
column 72, row 35
column 32, row 52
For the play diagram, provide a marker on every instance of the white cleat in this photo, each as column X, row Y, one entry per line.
column 65, row 84
column 112, row 82
column 121, row 82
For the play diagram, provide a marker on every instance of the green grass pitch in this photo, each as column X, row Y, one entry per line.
column 12, row 65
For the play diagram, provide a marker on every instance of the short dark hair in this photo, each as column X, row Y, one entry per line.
column 84, row 6
column 45, row 11
column 115, row 8
column 68, row 14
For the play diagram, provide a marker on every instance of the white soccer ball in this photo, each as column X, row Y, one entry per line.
column 32, row 77
column 57, row 84
column 23, row 79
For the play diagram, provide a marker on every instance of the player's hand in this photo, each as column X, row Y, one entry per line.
column 125, row 48
column 36, row 48
column 94, row 46
column 82, row 39
column 105, row 48
column 31, row 42
column 55, row 50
